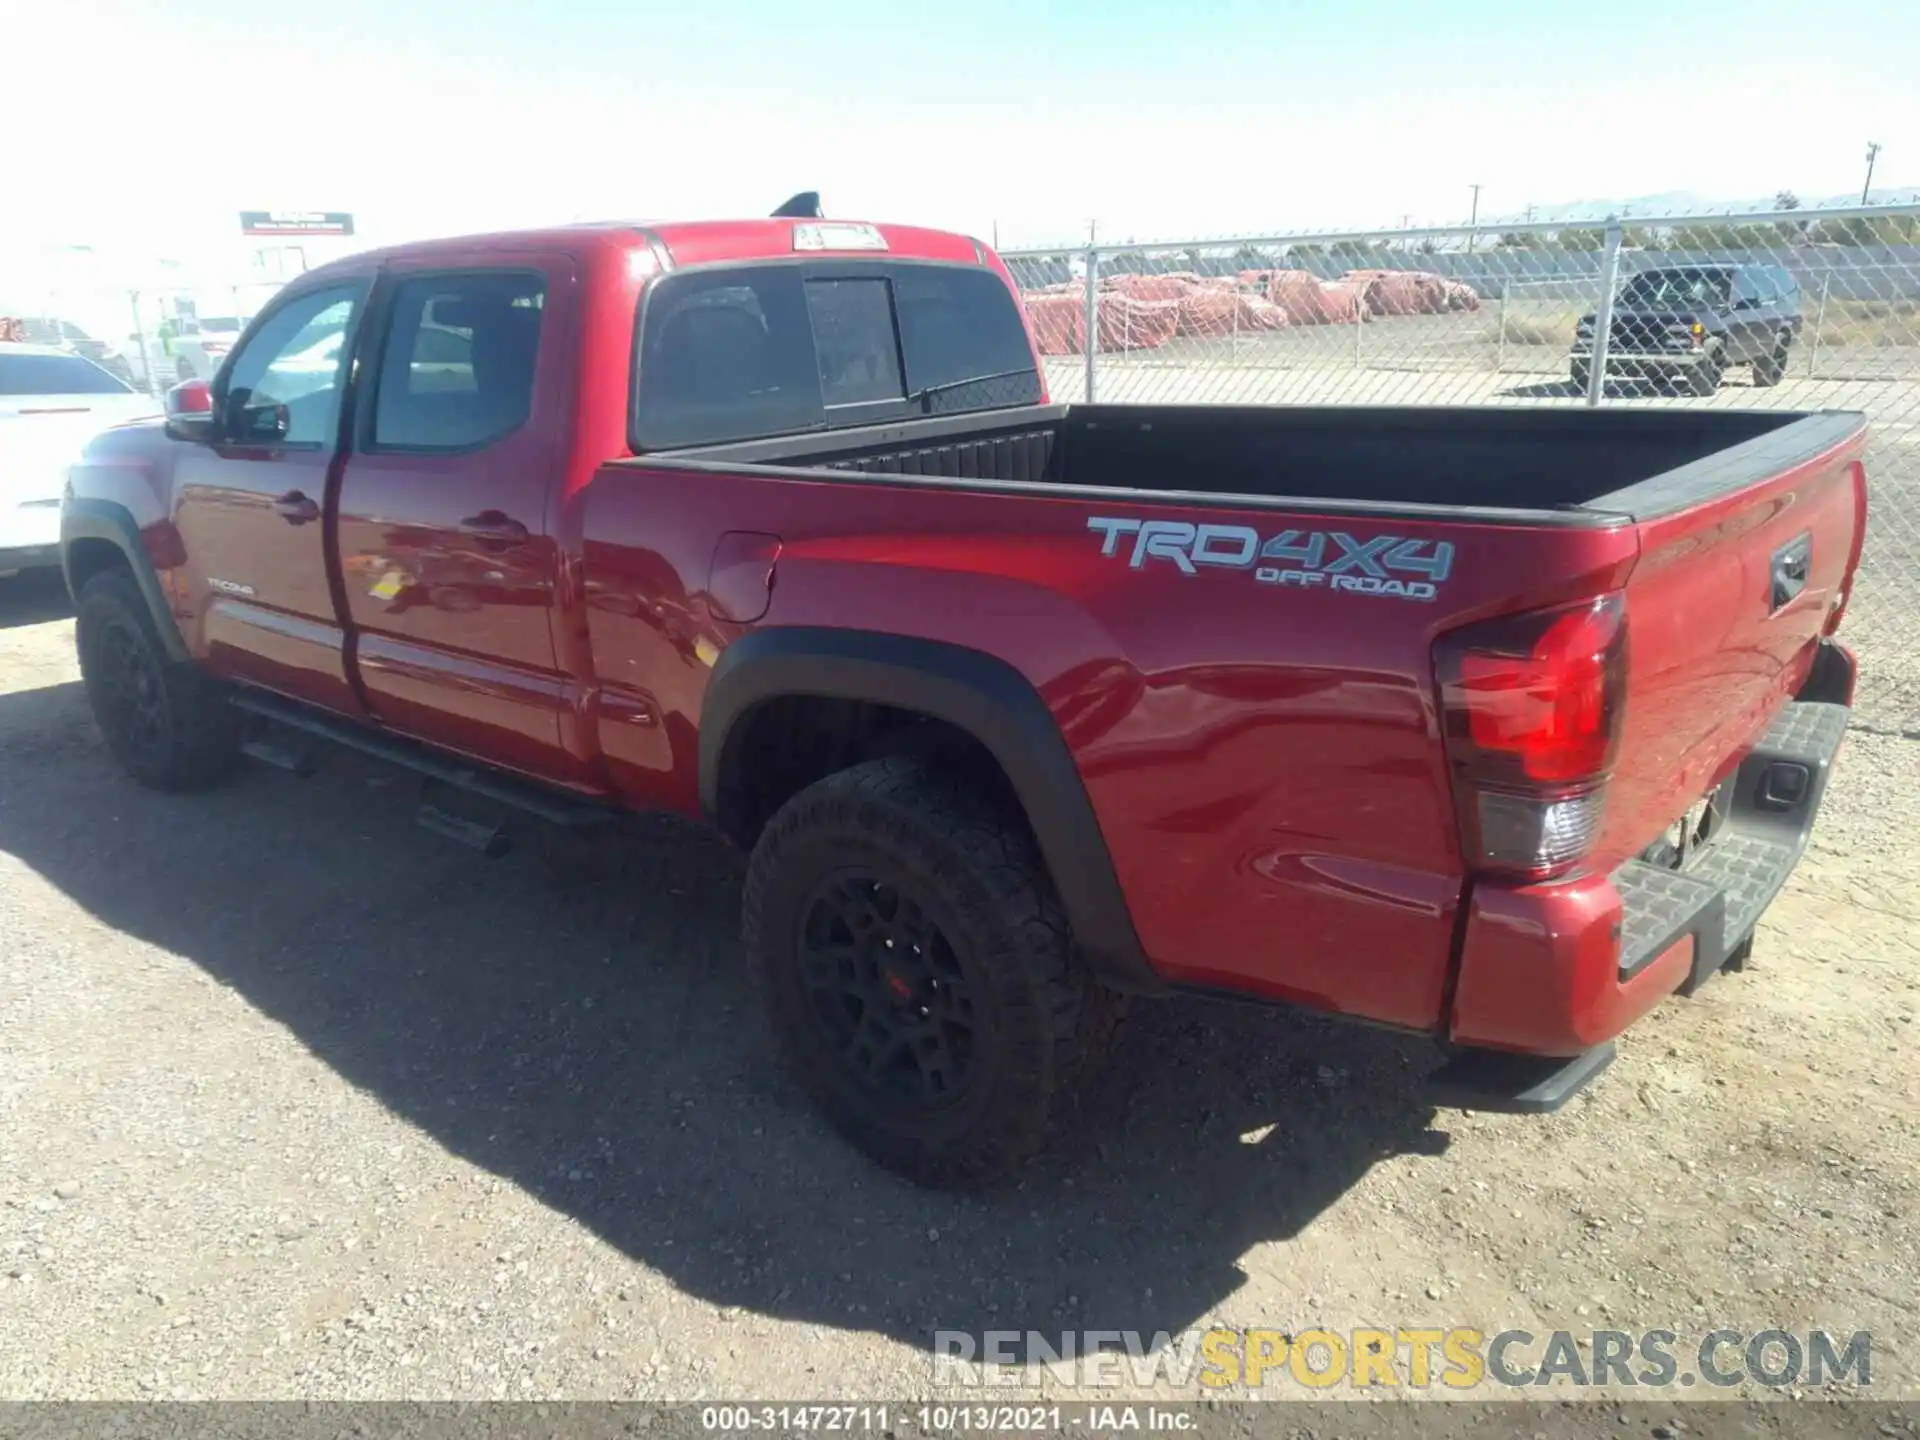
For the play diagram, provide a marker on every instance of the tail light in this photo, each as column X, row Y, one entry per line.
column 215, row 347
column 1531, row 705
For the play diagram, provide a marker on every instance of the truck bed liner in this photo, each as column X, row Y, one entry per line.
column 1547, row 465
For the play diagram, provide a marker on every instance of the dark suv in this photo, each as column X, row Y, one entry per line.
column 1687, row 323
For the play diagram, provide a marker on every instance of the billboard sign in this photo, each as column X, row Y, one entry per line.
column 295, row 222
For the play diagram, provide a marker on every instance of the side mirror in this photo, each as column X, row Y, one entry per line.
column 189, row 407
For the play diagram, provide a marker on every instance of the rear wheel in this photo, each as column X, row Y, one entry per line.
column 1772, row 368
column 918, row 971
column 168, row 725
column 1704, row 378
column 1582, row 375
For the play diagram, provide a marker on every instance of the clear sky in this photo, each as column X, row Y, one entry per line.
column 430, row 116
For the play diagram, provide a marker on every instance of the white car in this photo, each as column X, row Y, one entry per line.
column 51, row 403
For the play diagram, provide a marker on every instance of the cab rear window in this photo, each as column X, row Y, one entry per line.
column 743, row 353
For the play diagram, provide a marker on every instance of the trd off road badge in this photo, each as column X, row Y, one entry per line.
column 1327, row 559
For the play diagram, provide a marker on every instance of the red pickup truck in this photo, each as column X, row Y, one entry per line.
column 1496, row 725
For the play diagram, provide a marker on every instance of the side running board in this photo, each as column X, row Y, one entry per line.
column 530, row 798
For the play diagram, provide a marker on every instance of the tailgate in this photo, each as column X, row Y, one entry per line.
column 1746, row 559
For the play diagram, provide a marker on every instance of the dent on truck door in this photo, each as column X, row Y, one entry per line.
column 249, row 505
column 447, row 563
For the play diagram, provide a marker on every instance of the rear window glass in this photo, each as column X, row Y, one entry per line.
column 958, row 324
column 56, row 375
column 1678, row 289
column 741, row 353
column 853, row 341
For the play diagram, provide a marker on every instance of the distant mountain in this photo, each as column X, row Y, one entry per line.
column 1691, row 202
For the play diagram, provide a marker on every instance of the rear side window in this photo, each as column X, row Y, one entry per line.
column 742, row 353
column 458, row 359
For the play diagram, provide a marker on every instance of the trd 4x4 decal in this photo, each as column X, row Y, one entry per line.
column 1329, row 559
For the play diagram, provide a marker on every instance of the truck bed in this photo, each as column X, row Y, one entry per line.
column 1264, row 758
column 1576, row 466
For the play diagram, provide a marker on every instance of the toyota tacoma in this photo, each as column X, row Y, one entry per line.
column 1498, row 726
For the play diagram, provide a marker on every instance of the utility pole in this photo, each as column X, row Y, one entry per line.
column 1473, row 220
column 1873, row 153
column 1529, row 212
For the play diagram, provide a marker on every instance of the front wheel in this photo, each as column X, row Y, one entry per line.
column 918, row 971
column 168, row 725
column 1704, row 378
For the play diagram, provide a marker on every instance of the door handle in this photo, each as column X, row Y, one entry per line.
column 295, row 508
column 1790, row 565
column 490, row 527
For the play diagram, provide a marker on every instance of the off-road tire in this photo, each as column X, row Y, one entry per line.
column 972, row 869
column 168, row 725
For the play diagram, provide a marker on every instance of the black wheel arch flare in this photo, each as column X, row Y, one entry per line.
column 981, row 695
column 90, row 518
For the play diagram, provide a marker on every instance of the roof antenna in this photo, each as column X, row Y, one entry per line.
column 804, row 206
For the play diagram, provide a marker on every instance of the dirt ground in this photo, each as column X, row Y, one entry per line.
column 298, row 1100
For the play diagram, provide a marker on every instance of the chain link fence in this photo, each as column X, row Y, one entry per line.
column 1792, row 310
column 1797, row 310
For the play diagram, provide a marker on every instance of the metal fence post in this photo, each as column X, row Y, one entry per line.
column 1819, row 324
column 1603, row 313
column 1090, row 341
column 1359, row 319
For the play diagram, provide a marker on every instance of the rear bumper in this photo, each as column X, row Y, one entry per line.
column 29, row 536
column 29, row 527
column 1559, row 969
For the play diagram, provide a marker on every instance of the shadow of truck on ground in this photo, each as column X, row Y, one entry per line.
column 575, row 1018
